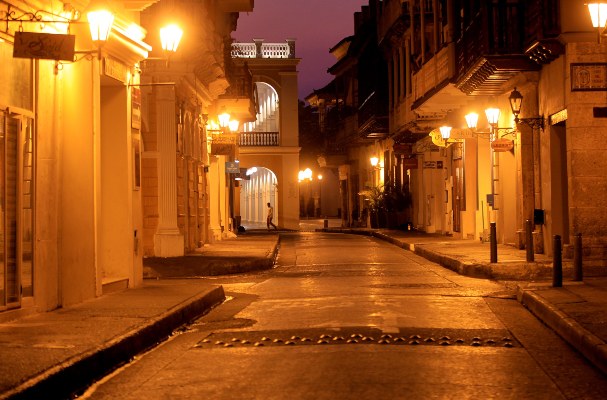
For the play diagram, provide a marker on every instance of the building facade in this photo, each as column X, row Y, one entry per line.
column 104, row 144
column 537, row 162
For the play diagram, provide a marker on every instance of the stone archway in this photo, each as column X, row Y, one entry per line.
column 261, row 188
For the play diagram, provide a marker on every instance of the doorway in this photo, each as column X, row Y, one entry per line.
column 16, row 208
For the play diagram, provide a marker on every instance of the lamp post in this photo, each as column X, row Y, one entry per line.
column 305, row 175
column 319, row 195
column 374, row 162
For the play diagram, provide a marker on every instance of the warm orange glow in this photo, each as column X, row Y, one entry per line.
column 170, row 36
column 472, row 120
column 224, row 119
column 100, row 24
column 493, row 115
column 445, row 132
column 598, row 14
column 233, row 125
column 374, row 161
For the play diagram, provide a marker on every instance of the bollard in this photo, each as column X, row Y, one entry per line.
column 577, row 258
column 493, row 239
column 557, row 262
column 529, row 239
column 325, row 223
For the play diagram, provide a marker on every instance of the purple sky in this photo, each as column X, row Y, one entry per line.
column 316, row 26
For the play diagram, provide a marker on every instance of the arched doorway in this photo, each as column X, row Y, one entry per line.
column 255, row 193
column 268, row 112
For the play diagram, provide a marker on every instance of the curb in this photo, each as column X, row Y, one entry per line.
column 592, row 347
column 66, row 378
column 220, row 266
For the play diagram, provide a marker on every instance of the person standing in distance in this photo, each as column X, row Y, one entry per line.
column 270, row 216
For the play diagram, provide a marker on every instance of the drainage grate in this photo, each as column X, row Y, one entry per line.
column 364, row 335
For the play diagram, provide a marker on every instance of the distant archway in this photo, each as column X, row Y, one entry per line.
column 268, row 113
column 261, row 188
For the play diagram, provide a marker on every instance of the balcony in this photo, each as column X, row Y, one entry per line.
column 490, row 50
column 250, row 139
column 239, row 97
column 259, row 49
column 373, row 118
column 393, row 19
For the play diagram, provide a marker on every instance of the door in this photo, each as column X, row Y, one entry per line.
column 16, row 209
column 458, row 189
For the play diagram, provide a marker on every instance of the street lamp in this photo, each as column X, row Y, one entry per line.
column 170, row 36
column 598, row 15
column 516, row 102
column 100, row 23
column 320, row 195
column 305, row 175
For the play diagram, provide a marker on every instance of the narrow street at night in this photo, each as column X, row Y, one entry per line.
column 352, row 317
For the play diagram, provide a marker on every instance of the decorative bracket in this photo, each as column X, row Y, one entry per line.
column 534, row 123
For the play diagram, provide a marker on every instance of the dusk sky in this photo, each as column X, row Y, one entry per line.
column 316, row 26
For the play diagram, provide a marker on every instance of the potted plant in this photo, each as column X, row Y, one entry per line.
column 375, row 201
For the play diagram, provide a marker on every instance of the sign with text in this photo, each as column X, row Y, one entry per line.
column 502, row 144
column 433, row 164
column 232, row 167
column 588, row 76
column 410, row 163
column 115, row 69
column 46, row 46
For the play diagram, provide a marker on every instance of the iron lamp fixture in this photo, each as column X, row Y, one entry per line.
column 516, row 101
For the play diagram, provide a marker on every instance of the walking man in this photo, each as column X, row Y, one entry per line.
column 270, row 216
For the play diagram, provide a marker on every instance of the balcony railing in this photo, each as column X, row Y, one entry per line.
column 259, row 49
column 259, row 139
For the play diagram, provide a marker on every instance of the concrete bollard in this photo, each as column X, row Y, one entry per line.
column 557, row 262
column 529, row 240
column 493, row 240
column 578, row 274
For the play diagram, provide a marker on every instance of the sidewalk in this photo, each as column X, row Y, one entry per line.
column 577, row 311
column 52, row 355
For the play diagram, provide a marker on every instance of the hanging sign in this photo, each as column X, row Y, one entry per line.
column 502, row 144
column 46, row 46
column 410, row 163
column 232, row 167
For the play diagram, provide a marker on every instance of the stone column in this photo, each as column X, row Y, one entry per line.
column 168, row 240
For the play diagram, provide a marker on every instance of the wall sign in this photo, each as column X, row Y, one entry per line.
column 502, row 144
column 44, row 45
column 232, row 167
column 588, row 76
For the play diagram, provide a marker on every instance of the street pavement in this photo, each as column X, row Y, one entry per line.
column 48, row 355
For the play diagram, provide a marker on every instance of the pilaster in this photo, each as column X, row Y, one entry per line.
column 168, row 240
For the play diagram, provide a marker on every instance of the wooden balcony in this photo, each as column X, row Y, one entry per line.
column 239, row 97
column 373, row 118
column 491, row 48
